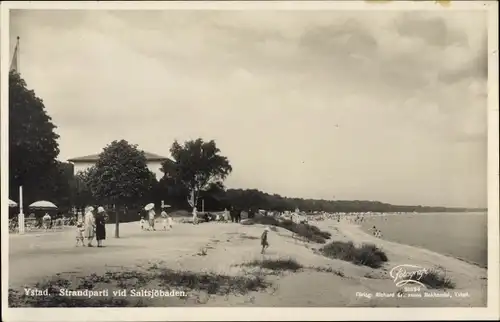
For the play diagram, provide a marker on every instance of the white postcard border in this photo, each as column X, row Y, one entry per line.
column 233, row 314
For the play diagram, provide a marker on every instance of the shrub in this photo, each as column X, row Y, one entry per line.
column 310, row 232
column 435, row 279
column 328, row 270
column 276, row 264
column 211, row 283
column 367, row 255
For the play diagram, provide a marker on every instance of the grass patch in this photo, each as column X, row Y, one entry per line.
column 210, row 283
column 276, row 264
column 328, row 270
column 435, row 279
column 309, row 232
column 244, row 236
column 367, row 255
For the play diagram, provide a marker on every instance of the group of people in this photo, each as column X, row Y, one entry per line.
column 166, row 220
column 91, row 226
column 376, row 232
column 226, row 216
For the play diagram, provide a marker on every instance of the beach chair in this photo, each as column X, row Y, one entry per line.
column 13, row 227
column 30, row 224
column 57, row 224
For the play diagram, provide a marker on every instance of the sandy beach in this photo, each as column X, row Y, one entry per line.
column 222, row 248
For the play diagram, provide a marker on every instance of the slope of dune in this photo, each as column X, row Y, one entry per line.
column 223, row 248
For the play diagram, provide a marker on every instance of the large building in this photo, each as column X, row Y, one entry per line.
column 154, row 162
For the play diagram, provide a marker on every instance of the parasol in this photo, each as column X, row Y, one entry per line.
column 149, row 206
column 43, row 204
column 12, row 203
column 166, row 206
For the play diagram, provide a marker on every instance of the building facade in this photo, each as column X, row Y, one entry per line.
column 153, row 162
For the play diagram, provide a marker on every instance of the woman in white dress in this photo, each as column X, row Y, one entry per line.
column 89, row 224
column 195, row 216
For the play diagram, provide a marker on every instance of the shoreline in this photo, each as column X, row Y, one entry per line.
column 425, row 248
column 475, row 247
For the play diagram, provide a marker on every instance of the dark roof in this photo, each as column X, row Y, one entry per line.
column 95, row 157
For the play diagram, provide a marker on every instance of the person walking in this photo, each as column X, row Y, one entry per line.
column 263, row 240
column 89, row 224
column 100, row 226
column 166, row 219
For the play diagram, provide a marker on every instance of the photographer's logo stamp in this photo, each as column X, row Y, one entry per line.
column 408, row 274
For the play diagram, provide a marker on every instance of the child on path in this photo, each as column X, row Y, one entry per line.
column 143, row 223
column 79, row 233
column 166, row 219
column 263, row 240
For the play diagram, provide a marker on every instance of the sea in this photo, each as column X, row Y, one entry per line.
column 461, row 235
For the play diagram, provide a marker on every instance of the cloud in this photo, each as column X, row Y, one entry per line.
column 432, row 30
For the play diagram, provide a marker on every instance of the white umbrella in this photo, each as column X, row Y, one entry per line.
column 43, row 204
column 166, row 206
column 12, row 203
column 149, row 206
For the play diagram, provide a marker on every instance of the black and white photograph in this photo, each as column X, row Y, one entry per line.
column 250, row 155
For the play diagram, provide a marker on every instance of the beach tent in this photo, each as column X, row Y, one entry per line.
column 43, row 204
column 12, row 203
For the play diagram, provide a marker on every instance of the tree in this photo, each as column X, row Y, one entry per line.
column 198, row 166
column 120, row 177
column 33, row 146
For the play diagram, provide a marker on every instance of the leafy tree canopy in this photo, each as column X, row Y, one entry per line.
column 121, row 175
column 198, row 166
column 33, row 146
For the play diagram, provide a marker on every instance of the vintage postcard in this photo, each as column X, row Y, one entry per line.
column 288, row 160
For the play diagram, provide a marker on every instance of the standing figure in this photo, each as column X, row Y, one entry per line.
column 89, row 224
column 100, row 226
column 152, row 215
column 79, row 233
column 164, row 217
column 46, row 221
column 233, row 214
column 226, row 215
column 170, row 221
column 143, row 223
column 263, row 240
column 195, row 216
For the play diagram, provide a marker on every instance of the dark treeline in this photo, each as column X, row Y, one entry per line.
column 217, row 199
column 255, row 199
column 67, row 193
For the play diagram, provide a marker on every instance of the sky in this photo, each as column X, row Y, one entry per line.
column 351, row 105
